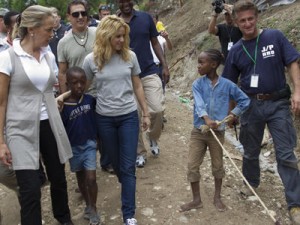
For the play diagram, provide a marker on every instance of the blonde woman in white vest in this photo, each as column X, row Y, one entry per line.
column 28, row 112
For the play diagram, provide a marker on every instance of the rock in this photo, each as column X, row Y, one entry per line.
column 271, row 170
column 157, row 188
column 113, row 217
column 268, row 153
column 271, row 212
column 183, row 219
column 279, row 206
column 252, row 198
column 147, row 212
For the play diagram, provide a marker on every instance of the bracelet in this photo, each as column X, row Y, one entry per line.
column 147, row 116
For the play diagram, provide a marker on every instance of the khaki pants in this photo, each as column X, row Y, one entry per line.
column 155, row 100
column 199, row 142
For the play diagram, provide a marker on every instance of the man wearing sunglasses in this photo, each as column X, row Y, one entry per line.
column 77, row 43
column 104, row 10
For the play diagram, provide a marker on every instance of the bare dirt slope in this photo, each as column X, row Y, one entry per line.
column 162, row 186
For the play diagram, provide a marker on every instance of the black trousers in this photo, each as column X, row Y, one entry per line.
column 30, row 183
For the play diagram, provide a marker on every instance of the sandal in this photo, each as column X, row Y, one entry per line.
column 94, row 219
column 87, row 213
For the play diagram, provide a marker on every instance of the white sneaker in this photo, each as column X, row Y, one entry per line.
column 130, row 221
column 140, row 161
column 154, row 148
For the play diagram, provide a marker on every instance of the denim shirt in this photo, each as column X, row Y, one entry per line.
column 213, row 101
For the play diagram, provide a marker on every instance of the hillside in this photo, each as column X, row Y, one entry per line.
column 187, row 27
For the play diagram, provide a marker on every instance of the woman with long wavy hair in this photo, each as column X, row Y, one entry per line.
column 117, row 70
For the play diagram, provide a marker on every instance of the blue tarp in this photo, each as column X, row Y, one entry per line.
column 265, row 4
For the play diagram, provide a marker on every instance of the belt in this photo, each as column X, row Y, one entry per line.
column 262, row 97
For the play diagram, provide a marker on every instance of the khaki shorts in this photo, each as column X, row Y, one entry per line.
column 199, row 143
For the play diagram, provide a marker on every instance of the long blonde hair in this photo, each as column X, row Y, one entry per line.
column 33, row 16
column 105, row 32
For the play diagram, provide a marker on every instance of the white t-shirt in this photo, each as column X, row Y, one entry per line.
column 162, row 42
column 37, row 71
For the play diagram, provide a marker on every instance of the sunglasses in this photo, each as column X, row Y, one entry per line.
column 104, row 7
column 77, row 14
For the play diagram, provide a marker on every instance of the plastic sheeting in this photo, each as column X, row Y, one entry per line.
column 265, row 4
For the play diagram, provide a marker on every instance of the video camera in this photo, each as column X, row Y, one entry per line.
column 218, row 5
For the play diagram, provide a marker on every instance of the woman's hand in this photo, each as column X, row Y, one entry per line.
column 145, row 123
column 5, row 155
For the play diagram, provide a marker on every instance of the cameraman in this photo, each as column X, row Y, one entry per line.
column 228, row 33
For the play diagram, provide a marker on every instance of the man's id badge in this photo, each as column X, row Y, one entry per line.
column 254, row 80
column 230, row 44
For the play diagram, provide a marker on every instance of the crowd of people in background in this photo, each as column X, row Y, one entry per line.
column 109, row 75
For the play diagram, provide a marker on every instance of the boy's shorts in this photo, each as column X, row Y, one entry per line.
column 84, row 156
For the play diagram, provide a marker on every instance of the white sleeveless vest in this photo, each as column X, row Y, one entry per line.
column 23, row 118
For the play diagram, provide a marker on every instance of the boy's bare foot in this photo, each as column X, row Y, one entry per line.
column 191, row 205
column 219, row 205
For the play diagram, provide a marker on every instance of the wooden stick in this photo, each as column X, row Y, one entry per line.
column 245, row 180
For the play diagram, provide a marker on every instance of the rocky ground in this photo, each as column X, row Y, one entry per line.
column 162, row 185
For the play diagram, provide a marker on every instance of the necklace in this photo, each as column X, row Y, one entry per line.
column 82, row 38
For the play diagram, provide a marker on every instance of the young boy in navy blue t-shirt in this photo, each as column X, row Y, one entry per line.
column 79, row 120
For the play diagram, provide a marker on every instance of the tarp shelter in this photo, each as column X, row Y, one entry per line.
column 265, row 4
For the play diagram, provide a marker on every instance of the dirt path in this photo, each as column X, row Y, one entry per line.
column 162, row 187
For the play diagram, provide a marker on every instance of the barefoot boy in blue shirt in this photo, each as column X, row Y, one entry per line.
column 212, row 95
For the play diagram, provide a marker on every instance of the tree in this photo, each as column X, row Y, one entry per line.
column 19, row 6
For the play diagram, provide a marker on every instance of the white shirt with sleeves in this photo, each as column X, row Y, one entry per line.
column 37, row 71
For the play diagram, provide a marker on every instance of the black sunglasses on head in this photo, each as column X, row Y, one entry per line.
column 76, row 14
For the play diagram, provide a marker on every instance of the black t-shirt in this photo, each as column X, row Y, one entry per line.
column 228, row 34
column 58, row 34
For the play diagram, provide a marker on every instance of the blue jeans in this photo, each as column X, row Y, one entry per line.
column 277, row 116
column 119, row 136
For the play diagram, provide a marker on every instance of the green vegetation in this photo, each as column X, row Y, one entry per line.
column 19, row 6
column 61, row 5
column 209, row 41
column 290, row 28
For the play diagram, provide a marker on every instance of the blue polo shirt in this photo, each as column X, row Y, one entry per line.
column 274, row 52
column 142, row 29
